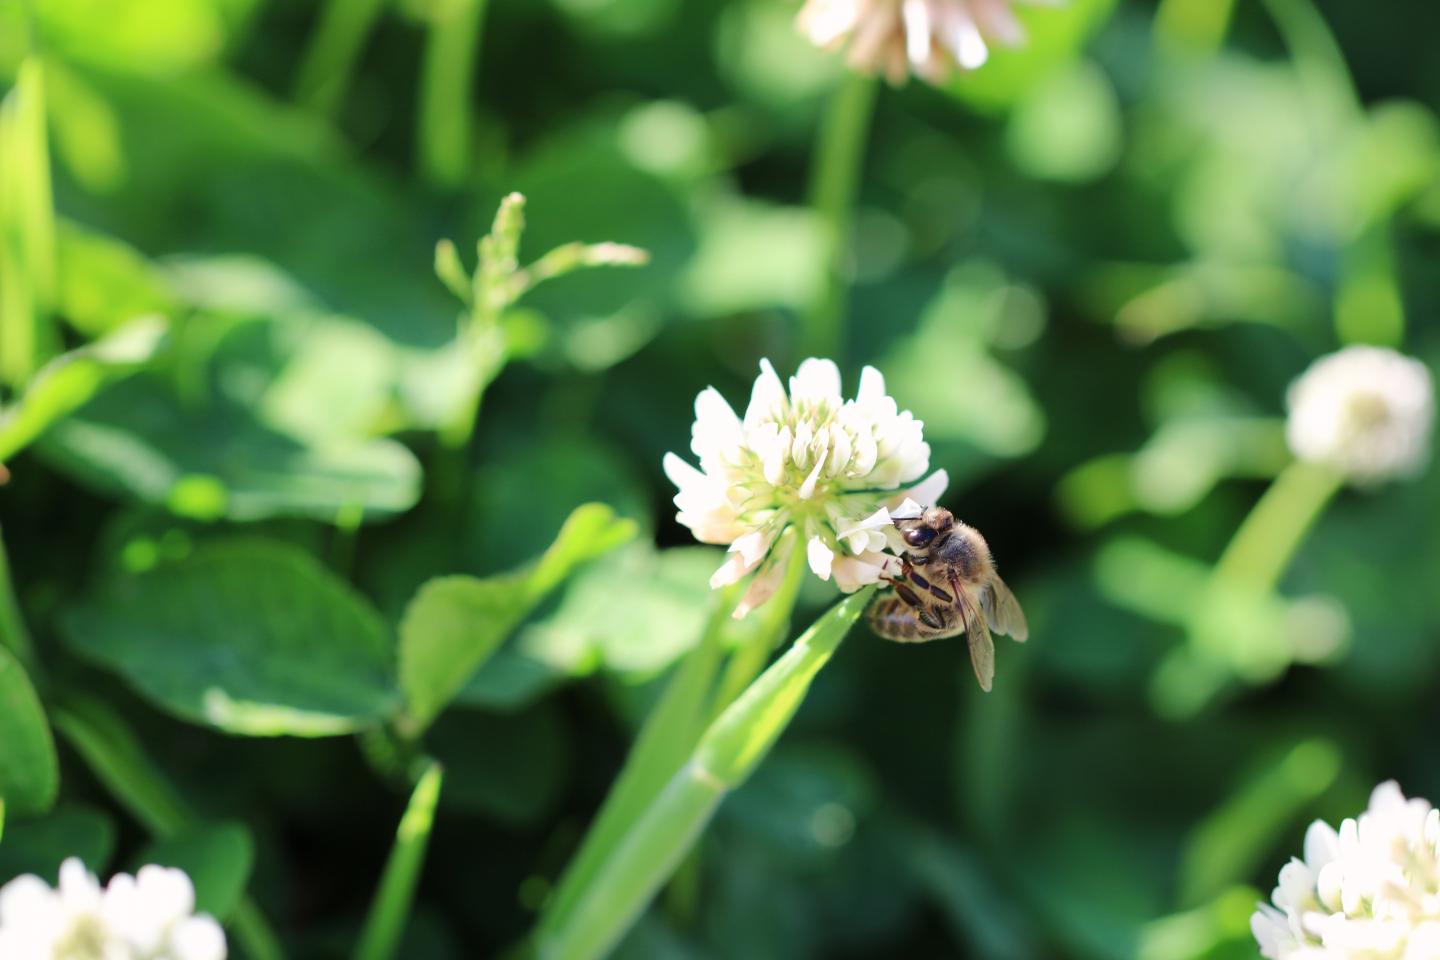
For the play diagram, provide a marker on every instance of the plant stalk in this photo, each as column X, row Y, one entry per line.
column 835, row 178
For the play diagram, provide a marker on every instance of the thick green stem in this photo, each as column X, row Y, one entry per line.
column 1266, row 542
column 330, row 59
column 670, row 826
column 450, row 53
column 391, row 910
column 666, row 739
column 835, row 178
column 772, row 628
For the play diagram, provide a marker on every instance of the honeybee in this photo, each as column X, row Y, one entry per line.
column 948, row 586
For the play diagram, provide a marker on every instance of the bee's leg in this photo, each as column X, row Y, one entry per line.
column 906, row 594
column 909, row 571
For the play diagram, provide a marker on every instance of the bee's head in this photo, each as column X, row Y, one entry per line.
column 919, row 531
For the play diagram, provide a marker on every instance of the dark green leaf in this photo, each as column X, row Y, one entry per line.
column 29, row 774
column 248, row 636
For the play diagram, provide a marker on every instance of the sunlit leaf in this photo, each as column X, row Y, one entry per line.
column 215, row 460
column 455, row 623
column 249, row 636
column 66, row 383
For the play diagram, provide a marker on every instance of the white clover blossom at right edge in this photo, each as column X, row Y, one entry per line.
column 1369, row 891
column 835, row 470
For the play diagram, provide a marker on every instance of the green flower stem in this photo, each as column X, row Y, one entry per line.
column 1263, row 547
column 1193, row 28
column 388, row 915
column 669, row 827
column 12, row 625
column 115, row 756
column 835, row 177
column 330, row 59
column 1223, row 637
column 773, row 625
column 665, row 741
column 450, row 53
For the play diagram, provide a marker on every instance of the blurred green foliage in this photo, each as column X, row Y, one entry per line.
column 274, row 483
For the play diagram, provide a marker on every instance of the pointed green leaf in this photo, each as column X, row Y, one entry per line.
column 455, row 623
column 29, row 774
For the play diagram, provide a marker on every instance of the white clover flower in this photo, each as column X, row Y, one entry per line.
column 1365, row 411
column 1368, row 892
column 896, row 37
column 829, row 467
column 150, row 916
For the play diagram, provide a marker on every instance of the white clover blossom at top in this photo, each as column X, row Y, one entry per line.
column 1366, row 411
column 897, row 37
column 150, row 916
column 1370, row 891
column 832, row 468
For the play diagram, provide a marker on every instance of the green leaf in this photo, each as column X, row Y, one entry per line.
column 218, row 858
column 455, row 623
column 104, row 283
column 39, row 846
column 66, row 383
column 249, row 636
column 29, row 773
column 212, row 460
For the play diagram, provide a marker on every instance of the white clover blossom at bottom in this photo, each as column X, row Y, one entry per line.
column 1365, row 411
column 807, row 460
column 930, row 38
column 1369, row 891
column 150, row 916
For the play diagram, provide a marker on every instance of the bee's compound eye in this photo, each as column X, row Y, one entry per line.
column 919, row 537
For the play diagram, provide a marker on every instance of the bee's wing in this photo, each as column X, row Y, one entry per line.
column 977, row 637
column 1002, row 610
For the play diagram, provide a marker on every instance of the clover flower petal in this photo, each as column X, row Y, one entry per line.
column 1366, row 411
column 1368, row 891
column 149, row 916
column 930, row 38
column 802, row 456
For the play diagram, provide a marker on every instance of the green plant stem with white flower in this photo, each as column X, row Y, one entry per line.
column 839, row 159
column 667, row 828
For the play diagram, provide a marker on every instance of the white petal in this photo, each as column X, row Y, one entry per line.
column 916, row 15
column 198, row 938
column 852, row 573
column 807, row 489
column 767, row 397
column 821, row 557
column 764, row 585
column 817, row 381
column 872, row 387
column 908, row 510
column 928, row 491
column 681, row 473
column 730, row 571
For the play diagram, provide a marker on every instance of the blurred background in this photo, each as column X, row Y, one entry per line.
column 1091, row 267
